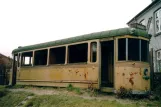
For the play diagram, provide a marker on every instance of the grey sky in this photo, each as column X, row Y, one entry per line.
column 27, row 22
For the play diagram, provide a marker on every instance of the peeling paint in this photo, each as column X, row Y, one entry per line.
column 123, row 74
column 131, row 81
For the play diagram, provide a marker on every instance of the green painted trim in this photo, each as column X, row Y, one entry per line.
column 86, row 37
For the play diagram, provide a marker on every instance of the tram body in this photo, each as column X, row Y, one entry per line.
column 104, row 60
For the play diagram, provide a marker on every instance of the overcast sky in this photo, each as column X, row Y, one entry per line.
column 27, row 22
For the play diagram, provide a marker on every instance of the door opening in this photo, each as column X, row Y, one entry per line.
column 107, row 64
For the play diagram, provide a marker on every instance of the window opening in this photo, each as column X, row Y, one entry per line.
column 78, row 53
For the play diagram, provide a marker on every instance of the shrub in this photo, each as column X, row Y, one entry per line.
column 124, row 93
column 157, row 92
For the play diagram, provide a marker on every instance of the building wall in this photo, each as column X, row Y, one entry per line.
column 4, row 60
column 155, row 41
column 5, row 66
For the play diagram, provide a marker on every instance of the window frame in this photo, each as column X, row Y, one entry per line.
column 157, row 19
column 49, row 63
column 75, row 45
column 21, row 59
column 35, row 57
column 91, row 52
column 126, row 50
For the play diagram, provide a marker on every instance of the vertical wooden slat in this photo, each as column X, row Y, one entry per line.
column 33, row 58
column 66, row 55
column 89, row 52
column 115, row 59
column 126, row 49
column 48, row 55
column 99, row 62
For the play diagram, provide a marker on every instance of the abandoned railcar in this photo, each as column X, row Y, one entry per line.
column 104, row 60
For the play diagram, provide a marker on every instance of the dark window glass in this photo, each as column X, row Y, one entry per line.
column 57, row 55
column 133, row 49
column 122, row 49
column 41, row 57
column 144, row 50
column 78, row 53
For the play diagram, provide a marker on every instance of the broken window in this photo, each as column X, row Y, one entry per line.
column 57, row 55
column 133, row 49
column 78, row 53
column 144, row 50
column 26, row 59
column 93, row 51
column 122, row 49
column 40, row 57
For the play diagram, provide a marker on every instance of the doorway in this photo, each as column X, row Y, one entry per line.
column 107, row 63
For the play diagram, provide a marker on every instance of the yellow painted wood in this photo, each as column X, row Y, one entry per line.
column 73, row 72
column 130, row 76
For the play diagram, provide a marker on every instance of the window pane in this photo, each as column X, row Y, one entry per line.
column 26, row 59
column 133, row 49
column 157, row 25
column 57, row 55
column 41, row 57
column 78, row 53
column 144, row 50
column 93, row 51
column 122, row 49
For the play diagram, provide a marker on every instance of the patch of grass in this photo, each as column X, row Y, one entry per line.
column 70, row 87
column 92, row 92
column 3, row 91
column 78, row 91
column 71, row 101
column 12, row 99
column 16, row 86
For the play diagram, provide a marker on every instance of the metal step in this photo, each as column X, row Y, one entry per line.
column 107, row 89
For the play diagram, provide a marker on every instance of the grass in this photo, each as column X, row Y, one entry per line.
column 70, row 101
column 76, row 90
column 11, row 99
column 3, row 91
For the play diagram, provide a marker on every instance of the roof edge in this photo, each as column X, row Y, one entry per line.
column 149, row 6
column 86, row 37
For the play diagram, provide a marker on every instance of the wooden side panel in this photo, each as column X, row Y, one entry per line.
column 78, row 73
column 130, row 76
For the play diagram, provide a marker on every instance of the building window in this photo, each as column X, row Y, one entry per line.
column 57, row 55
column 93, row 51
column 144, row 50
column 78, row 53
column 41, row 57
column 158, row 21
column 26, row 59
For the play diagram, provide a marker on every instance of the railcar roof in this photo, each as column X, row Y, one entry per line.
column 91, row 36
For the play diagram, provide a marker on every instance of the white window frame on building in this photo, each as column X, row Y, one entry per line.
column 158, row 21
column 159, row 61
